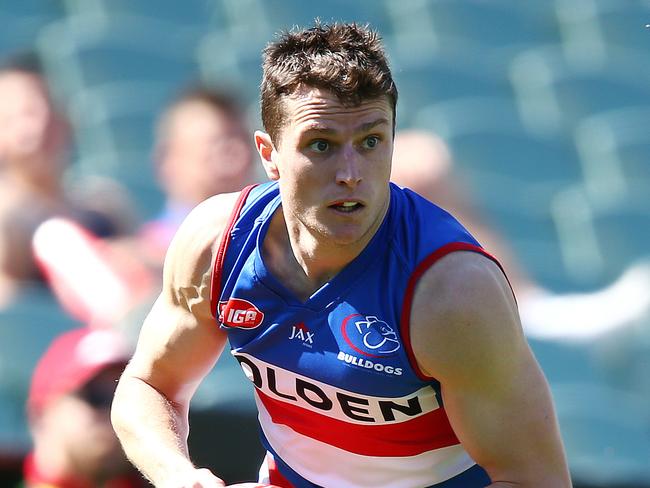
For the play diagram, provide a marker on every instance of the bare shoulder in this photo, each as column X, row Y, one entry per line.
column 179, row 341
column 464, row 315
column 191, row 252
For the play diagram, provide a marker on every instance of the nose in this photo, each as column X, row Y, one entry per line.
column 349, row 172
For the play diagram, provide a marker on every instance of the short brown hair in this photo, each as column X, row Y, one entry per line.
column 346, row 59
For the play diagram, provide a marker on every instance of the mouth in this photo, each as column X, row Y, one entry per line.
column 347, row 206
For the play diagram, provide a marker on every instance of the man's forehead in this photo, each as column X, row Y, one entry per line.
column 18, row 81
column 306, row 94
column 312, row 107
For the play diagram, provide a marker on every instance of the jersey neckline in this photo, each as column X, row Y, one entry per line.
column 330, row 291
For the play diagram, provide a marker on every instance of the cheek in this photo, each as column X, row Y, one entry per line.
column 57, row 420
column 383, row 158
column 295, row 169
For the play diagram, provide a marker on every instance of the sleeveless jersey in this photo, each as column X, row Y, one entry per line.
column 341, row 400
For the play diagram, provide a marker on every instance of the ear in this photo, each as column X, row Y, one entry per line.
column 267, row 153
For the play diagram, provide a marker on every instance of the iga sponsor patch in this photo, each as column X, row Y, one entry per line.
column 240, row 313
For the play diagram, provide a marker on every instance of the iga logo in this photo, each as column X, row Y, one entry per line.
column 240, row 313
column 369, row 336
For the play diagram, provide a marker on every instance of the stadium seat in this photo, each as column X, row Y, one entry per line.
column 27, row 325
column 589, row 26
column 600, row 237
column 237, row 68
column 603, row 425
column 513, row 175
column 284, row 14
column 89, row 50
column 33, row 9
column 492, row 144
column 501, row 24
column 118, row 116
column 623, row 355
column 19, row 31
column 410, row 35
column 134, row 170
column 554, row 92
column 446, row 76
column 22, row 21
column 622, row 229
column 614, row 148
column 451, row 116
column 572, row 215
column 487, row 138
column 196, row 15
column 605, row 435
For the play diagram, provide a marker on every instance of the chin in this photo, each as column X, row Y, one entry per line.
column 347, row 237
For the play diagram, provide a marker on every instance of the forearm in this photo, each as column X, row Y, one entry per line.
column 153, row 431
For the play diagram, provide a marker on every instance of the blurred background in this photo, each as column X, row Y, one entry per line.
column 539, row 116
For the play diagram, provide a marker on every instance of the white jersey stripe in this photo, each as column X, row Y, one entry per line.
column 309, row 458
column 295, row 389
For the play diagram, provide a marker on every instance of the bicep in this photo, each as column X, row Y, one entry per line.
column 495, row 395
column 175, row 350
column 506, row 422
column 180, row 340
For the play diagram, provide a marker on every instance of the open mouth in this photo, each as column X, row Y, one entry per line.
column 346, row 206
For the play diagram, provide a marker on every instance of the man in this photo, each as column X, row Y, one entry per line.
column 68, row 407
column 423, row 163
column 383, row 342
column 202, row 149
column 33, row 138
column 34, row 155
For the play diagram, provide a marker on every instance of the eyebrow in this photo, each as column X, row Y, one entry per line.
column 316, row 127
column 371, row 125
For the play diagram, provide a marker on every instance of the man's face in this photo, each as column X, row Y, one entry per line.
column 333, row 164
column 203, row 153
column 88, row 442
column 28, row 125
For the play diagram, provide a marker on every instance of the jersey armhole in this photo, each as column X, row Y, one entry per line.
column 425, row 264
column 217, row 268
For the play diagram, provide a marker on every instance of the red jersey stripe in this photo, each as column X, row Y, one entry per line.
column 430, row 260
column 276, row 478
column 215, row 288
column 408, row 438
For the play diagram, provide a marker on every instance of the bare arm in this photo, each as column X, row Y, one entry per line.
column 179, row 343
column 466, row 333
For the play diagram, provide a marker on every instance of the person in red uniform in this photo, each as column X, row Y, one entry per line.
column 68, row 410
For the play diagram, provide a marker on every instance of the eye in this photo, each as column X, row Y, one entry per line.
column 370, row 142
column 319, row 146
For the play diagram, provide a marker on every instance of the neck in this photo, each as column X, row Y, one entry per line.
column 45, row 186
column 319, row 260
column 304, row 261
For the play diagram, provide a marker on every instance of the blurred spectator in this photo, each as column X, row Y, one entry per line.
column 203, row 147
column 68, row 409
column 34, row 155
column 422, row 162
